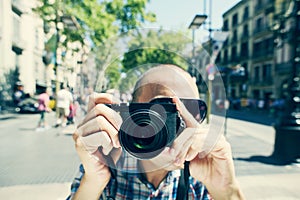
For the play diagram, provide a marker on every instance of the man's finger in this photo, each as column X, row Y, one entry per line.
column 196, row 147
column 99, row 124
column 181, row 140
column 186, row 115
column 102, row 110
column 92, row 142
column 104, row 98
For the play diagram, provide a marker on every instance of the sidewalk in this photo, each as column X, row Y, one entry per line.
column 252, row 145
column 54, row 191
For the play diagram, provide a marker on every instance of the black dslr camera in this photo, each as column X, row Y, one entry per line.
column 148, row 128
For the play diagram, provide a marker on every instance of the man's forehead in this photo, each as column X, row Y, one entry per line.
column 159, row 80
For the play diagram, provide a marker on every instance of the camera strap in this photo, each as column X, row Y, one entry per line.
column 183, row 185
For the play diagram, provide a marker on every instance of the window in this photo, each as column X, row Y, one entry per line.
column 245, row 31
column 225, row 56
column 258, row 24
column 269, row 45
column 258, row 5
column 256, row 74
column 244, row 49
column 258, row 49
column 267, row 71
column 234, row 36
column 234, row 20
column 245, row 65
column 246, row 13
column 233, row 53
column 225, row 25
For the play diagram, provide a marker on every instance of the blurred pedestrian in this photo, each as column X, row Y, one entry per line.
column 72, row 113
column 43, row 107
column 19, row 93
column 63, row 101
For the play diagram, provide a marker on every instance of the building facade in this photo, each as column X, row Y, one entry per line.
column 252, row 47
column 22, row 43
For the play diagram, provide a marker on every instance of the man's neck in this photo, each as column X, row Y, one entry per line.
column 153, row 177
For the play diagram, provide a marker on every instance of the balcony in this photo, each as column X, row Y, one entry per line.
column 260, row 30
column 238, row 79
column 284, row 68
column 18, row 45
column 266, row 81
column 18, row 7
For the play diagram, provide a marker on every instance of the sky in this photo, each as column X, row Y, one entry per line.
column 178, row 14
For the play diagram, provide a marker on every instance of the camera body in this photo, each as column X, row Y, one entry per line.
column 148, row 128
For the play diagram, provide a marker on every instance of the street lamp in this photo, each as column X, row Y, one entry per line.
column 197, row 21
column 195, row 24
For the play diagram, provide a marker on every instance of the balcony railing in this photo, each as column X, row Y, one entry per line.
column 238, row 79
column 284, row 68
column 264, row 82
column 261, row 29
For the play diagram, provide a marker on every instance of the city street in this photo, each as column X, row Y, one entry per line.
column 41, row 165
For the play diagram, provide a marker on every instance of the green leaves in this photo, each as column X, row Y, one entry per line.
column 156, row 47
column 99, row 20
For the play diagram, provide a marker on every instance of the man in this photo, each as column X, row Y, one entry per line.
column 211, row 173
column 63, row 101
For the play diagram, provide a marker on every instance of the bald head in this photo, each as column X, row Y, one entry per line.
column 165, row 80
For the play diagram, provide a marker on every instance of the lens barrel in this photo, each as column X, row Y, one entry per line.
column 144, row 134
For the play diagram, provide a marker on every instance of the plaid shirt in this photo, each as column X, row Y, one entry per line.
column 132, row 185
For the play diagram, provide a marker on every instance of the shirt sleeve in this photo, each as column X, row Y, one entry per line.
column 76, row 182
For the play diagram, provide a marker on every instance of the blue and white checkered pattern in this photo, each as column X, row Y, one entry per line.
column 132, row 185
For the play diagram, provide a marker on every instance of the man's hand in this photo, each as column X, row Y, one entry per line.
column 99, row 129
column 215, row 169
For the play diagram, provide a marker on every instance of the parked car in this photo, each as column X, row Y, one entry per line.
column 28, row 105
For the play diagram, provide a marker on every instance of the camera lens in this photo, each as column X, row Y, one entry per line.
column 144, row 134
column 145, row 140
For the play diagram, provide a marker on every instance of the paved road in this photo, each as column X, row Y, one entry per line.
column 31, row 157
column 41, row 165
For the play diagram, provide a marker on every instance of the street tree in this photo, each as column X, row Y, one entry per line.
column 98, row 20
column 152, row 47
column 98, row 23
column 161, row 47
